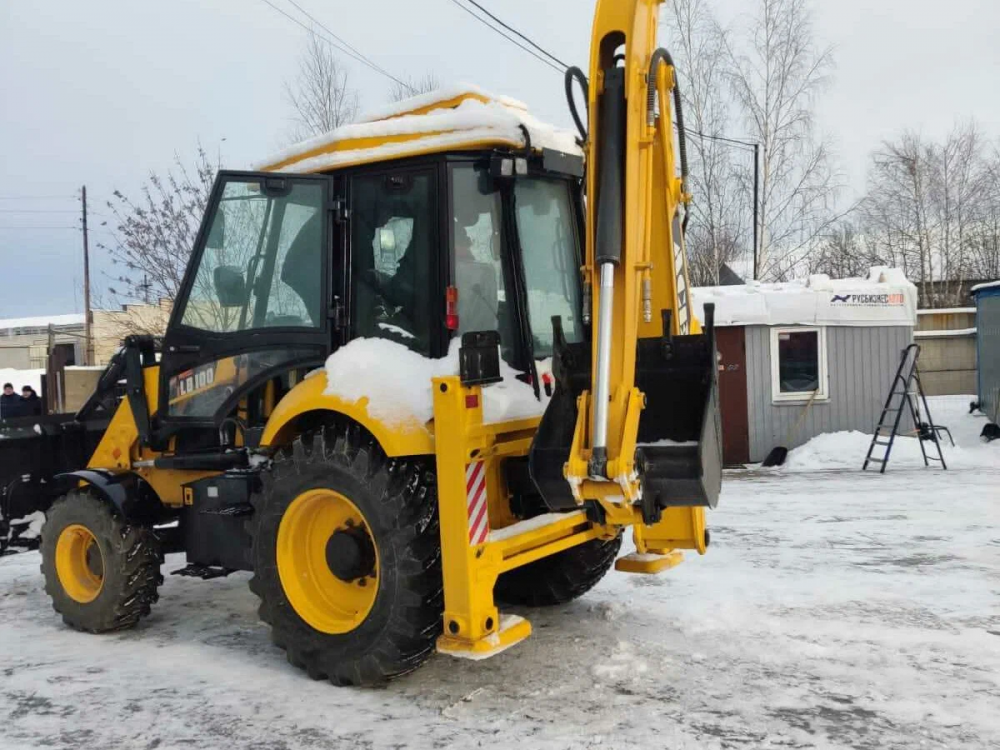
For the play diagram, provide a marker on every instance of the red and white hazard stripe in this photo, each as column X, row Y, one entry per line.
column 475, row 494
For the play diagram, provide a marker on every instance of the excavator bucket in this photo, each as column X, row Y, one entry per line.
column 679, row 448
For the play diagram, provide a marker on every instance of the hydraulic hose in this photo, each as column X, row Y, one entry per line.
column 575, row 74
column 662, row 55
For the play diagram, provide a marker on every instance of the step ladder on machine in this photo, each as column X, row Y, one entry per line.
column 906, row 394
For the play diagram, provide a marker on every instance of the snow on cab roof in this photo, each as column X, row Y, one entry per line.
column 884, row 298
column 458, row 117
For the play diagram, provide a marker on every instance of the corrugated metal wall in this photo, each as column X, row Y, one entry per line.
column 988, row 325
column 861, row 364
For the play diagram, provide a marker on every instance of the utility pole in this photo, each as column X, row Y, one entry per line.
column 88, row 355
column 756, row 205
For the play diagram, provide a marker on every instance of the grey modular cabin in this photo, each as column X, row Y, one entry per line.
column 802, row 358
column 987, row 298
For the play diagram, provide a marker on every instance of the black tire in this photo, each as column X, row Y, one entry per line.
column 559, row 578
column 131, row 558
column 398, row 499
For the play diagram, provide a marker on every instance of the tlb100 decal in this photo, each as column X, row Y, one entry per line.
column 189, row 381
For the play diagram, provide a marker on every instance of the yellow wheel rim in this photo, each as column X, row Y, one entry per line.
column 79, row 563
column 322, row 532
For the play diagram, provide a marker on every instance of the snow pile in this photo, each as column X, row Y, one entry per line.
column 885, row 297
column 395, row 383
column 31, row 525
column 837, row 451
column 453, row 125
column 989, row 285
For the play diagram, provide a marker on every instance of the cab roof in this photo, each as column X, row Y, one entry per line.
column 455, row 118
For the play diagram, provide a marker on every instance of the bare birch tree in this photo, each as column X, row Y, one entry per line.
column 845, row 251
column 931, row 209
column 154, row 232
column 413, row 86
column 983, row 249
column 720, row 222
column 320, row 96
column 775, row 72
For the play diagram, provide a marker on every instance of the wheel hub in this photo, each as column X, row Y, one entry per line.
column 79, row 563
column 350, row 554
column 328, row 561
column 95, row 563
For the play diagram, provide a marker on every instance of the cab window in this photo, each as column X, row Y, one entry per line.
column 262, row 265
column 476, row 253
column 551, row 260
column 394, row 238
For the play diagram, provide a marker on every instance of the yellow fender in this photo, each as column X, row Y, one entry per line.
column 404, row 436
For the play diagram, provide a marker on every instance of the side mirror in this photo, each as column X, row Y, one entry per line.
column 217, row 233
column 230, row 287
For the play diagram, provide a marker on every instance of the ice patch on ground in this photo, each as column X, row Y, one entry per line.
column 396, row 382
column 623, row 663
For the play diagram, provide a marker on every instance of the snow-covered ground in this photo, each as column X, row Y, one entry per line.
column 834, row 609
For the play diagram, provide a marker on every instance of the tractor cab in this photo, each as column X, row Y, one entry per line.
column 299, row 258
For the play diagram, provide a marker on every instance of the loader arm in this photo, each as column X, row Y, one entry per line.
column 646, row 417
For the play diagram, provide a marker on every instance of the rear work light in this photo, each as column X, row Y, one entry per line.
column 451, row 308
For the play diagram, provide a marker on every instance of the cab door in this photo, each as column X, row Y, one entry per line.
column 256, row 300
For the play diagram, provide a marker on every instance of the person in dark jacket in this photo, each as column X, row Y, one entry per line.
column 10, row 403
column 31, row 405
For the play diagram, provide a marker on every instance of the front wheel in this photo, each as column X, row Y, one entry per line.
column 347, row 557
column 101, row 571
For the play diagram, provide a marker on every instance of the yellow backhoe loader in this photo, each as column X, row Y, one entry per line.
column 453, row 222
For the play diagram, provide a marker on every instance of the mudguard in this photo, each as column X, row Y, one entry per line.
column 405, row 435
column 121, row 490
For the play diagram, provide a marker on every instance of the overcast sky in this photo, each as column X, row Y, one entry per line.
column 101, row 92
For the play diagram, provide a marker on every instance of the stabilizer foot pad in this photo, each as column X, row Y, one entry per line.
column 512, row 630
column 648, row 563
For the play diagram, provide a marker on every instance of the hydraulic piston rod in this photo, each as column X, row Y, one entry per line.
column 608, row 251
column 602, row 384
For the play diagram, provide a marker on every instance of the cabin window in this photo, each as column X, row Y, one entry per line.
column 394, row 234
column 798, row 364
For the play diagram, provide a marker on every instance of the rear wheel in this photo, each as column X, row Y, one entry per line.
column 101, row 571
column 558, row 578
column 347, row 557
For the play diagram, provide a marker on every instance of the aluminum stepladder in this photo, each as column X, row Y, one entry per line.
column 907, row 389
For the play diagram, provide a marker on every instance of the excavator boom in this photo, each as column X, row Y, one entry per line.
column 642, row 395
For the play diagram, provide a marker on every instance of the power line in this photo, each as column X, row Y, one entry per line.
column 79, row 229
column 722, row 138
column 515, row 31
column 509, row 38
column 371, row 63
column 354, row 56
column 689, row 131
column 37, row 211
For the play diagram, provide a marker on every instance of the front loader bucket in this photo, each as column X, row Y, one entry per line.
column 679, row 448
column 33, row 450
